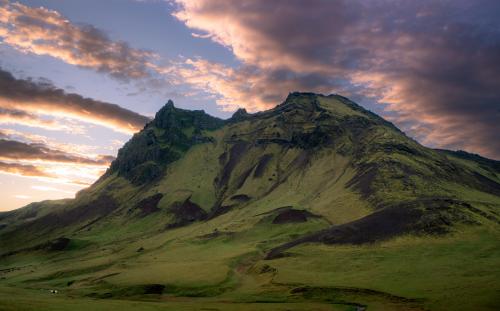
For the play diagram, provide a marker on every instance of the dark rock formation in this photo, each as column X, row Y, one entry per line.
column 162, row 141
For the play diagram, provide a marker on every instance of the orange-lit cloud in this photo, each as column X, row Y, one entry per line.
column 14, row 116
column 27, row 137
column 22, row 99
column 435, row 65
column 20, row 151
column 47, row 164
column 248, row 86
column 23, row 170
column 46, row 32
column 50, row 161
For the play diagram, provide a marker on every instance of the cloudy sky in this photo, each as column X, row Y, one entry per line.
column 78, row 78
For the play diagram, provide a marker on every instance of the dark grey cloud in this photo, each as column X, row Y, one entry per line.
column 24, row 99
column 435, row 64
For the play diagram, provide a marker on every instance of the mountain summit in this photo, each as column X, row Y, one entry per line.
column 194, row 205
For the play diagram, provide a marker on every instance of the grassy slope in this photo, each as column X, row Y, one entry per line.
column 226, row 269
column 458, row 272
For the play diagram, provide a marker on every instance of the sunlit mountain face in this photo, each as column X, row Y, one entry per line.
column 79, row 78
column 250, row 155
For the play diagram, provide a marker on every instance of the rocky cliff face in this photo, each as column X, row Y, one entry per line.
column 162, row 141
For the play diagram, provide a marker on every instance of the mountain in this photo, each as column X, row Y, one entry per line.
column 316, row 203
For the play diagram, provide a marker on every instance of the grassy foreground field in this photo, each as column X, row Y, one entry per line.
column 457, row 272
column 17, row 299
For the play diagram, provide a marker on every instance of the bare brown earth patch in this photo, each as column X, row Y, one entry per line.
column 240, row 180
column 262, row 165
column 348, row 296
column 149, row 205
column 240, row 198
column 220, row 209
column 424, row 216
column 362, row 181
column 58, row 244
column 235, row 154
column 216, row 234
column 290, row 215
column 186, row 212
column 486, row 184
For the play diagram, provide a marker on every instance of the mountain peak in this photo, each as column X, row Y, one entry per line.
column 239, row 115
column 315, row 169
column 169, row 104
column 302, row 94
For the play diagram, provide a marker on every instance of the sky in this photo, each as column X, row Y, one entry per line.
column 78, row 78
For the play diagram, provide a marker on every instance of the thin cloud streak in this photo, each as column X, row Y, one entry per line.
column 20, row 151
column 23, row 170
column 50, row 189
column 14, row 116
column 38, row 160
column 22, row 196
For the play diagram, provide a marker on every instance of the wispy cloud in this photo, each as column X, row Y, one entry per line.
column 46, row 32
column 23, row 100
column 14, row 116
column 434, row 64
column 27, row 137
column 50, row 189
column 20, row 151
column 22, row 196
column 23, row 170
column 48, row 164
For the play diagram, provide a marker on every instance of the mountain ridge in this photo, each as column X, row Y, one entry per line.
column 314, row 170
column 170, row 135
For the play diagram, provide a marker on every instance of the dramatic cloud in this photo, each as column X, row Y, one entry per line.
column 46, row 32
column 248, row 86
column 21, row 99
column 16, row 150
column 434, row 64
column 23, row 170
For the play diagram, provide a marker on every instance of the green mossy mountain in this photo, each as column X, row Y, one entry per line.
column 194, row 205
column 162, row 141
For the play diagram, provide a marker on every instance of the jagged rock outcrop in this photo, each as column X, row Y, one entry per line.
column 162, row 141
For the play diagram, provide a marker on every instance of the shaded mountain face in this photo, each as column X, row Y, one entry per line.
column 172, row 132
column 314, row 169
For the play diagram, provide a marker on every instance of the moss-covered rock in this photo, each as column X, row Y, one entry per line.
column 162, row 141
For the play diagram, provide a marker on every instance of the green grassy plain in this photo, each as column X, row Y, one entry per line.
column 457, row 272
